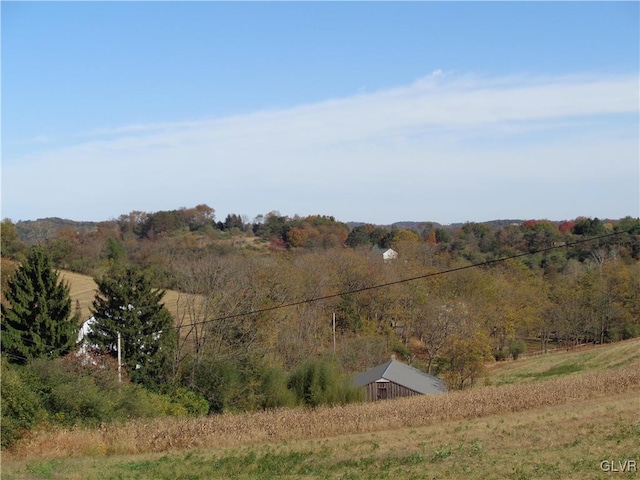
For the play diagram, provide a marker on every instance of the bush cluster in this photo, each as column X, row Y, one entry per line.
column 83, row 391
column 256, row 385
column 76, row 391
column 322, row 383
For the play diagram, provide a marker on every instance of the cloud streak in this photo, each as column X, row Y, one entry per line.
column 399, row 150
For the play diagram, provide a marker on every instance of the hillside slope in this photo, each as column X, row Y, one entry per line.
column 618, row 378
column 83, row 289
column 588, row 358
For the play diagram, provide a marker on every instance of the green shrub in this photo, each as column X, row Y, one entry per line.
column 20, row 406
column 194, row 404
column 70, row 395
column 186, row 401
column 273, row 389
column 517, row 348
column 321, row 383
column 74, row 400
column 134, row 401
column 221, row 383
column 500, row 354
column 76, row 393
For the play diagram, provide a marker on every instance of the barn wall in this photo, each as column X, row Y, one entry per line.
column 387, row 390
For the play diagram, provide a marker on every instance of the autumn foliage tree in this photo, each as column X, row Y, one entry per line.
column 235, row 293
column 464, row 359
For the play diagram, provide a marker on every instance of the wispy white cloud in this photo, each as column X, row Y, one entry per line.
column 430, row 102
column 400, row 149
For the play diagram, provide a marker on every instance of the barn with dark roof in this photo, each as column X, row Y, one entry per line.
column 395, row 379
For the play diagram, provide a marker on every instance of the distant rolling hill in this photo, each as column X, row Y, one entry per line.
column 33, row 231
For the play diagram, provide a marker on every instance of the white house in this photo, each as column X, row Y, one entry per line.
column 387, row 254
column 84, row 348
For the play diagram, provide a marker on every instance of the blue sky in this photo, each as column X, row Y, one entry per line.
column 368, row 111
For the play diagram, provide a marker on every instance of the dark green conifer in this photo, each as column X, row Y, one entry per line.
column 36, row 319
column 126, row 303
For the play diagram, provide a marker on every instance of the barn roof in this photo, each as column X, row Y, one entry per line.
column 404, row 375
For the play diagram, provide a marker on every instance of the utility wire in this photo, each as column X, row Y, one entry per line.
column 16, row 357
column 404, row 280
column 363, row 289
column 26, row 339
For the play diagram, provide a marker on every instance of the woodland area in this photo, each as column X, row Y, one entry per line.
column 257, row 299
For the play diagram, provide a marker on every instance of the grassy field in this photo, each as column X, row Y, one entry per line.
column 538, row 419
column 83, row 289
column 588, row 358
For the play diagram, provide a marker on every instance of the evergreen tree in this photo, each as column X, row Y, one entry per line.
column 126, row 303
column 37, row 321
column 360, row 235
column 233, row 221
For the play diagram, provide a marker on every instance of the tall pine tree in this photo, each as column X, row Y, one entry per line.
column 37, row 321
column 127, row 304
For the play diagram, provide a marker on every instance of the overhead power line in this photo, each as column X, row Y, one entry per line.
column 26, row 339
column 404, row 280
column 363, row 289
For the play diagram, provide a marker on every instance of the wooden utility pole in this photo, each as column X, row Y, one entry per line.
column 334, row 332
column 119, row 360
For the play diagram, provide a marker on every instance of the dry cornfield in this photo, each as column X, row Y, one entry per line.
column 294, row 424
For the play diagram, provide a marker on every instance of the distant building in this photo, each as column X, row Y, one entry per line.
column 395, row 379
column 387, row 254
column 85, row 348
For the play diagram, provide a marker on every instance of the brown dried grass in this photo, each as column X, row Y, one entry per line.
column 295, row 424
column 83, row 289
